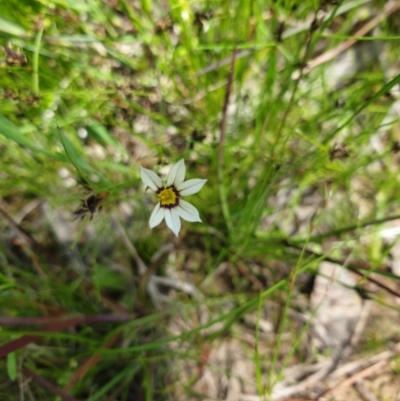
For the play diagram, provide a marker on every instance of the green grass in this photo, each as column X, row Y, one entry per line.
column 143, row 85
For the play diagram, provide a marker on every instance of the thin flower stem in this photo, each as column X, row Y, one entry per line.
column 303, row 63
column 35, row 84
column 220, row 161
column 283, row 319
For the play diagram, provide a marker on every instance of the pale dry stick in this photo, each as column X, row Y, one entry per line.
column 283, row 393
column 163, row 250
column 390, row 8
column 295, row 372
column 28, row 208
column 351, row 380
column 28, row 390
column 358, row 330
column 180, row 285
column 223, row 62
column 154, row 280
column 22, row 233
column 322, row 369
column 350, row 367
column 27, row 242
column 362, row 322
column 20, row 380
column 129, row 246
column 200, row 95
column 364, row 391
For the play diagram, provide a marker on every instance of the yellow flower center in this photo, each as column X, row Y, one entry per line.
column 168, row 197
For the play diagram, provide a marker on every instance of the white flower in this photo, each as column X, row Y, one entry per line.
column 170, row 206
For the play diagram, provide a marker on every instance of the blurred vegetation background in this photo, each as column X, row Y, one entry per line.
column 289, row 109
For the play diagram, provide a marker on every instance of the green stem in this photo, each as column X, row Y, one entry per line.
column 38, row 41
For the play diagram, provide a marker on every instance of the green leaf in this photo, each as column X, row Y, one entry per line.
column 101, row 134
column 82, row 167
column 10, row 131
column 12, row 365
column 75, row 158
column 12, row 28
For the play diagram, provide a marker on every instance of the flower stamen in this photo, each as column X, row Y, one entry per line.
column 168, row 197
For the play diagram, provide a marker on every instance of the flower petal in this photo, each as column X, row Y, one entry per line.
column 157, row 216
column 151, row 179
column 173, row 221
column 176, row 174
column 190, row 187
column 187, row 211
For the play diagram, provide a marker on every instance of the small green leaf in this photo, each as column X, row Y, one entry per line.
column 10, row 131
column 83, row 168
column 12, row 365
column 74, row 157
column 12, row 28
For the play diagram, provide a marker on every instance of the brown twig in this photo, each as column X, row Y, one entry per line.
column 54, row 320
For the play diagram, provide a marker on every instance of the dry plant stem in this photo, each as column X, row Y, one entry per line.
column 347, row 229
column 361, row 324
column 26, row 237
column 164, row 249
column 26, row 243
column 148, row 281
column 322, row 372
column 91, row 319
column 353, row 366
column 21, row 384
column 221, row 145
column 179, row 285
column 246, row 52
column 225, row 61
column 257, row 284
column 353, row 379
column 364, row 392
column 58, row 325
column 390, row 8
column 353, row 266
column 25, row 210
column 129, row 246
